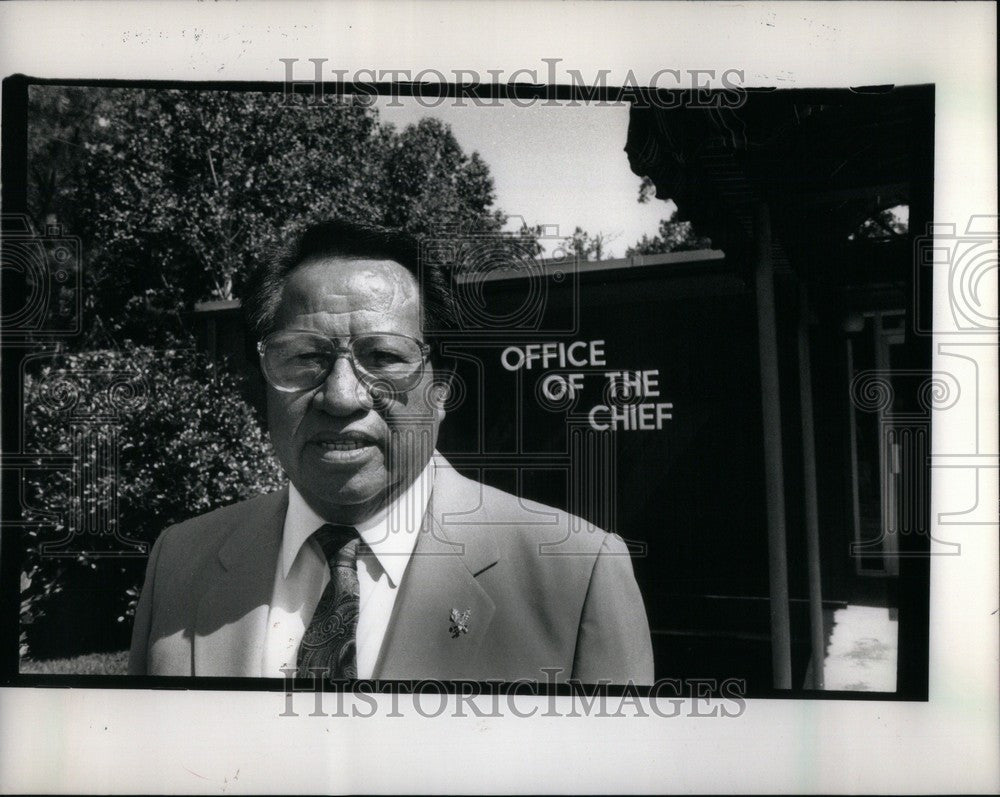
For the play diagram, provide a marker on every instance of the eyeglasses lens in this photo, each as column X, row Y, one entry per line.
column 301, row 361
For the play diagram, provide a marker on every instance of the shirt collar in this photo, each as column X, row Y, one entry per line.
column 391, row 533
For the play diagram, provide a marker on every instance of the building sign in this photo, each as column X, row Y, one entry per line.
column 630, row 394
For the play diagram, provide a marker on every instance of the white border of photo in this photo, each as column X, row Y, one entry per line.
column 108, row 741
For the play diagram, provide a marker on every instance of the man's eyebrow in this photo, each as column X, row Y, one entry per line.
column 348, row 336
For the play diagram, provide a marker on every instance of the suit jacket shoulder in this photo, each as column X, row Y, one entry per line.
column 516, row 526
column 546, row 592
column 211, row 531
column 203, row 575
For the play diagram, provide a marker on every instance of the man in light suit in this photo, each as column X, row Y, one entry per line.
column 379, row 560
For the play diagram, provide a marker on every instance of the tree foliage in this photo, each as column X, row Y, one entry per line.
column 428, row 181
column 186, row 443
column 175, row 194
column 673, row 235
column 209, row 449
column 588, row 246
column 885, row 225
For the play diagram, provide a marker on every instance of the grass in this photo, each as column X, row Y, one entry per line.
column 89, row 664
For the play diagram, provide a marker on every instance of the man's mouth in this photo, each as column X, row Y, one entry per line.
column 350, row 445
column 343, row 447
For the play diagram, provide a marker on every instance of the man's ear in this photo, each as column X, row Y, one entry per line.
column 254, row 390
column 443, row 386
column 253, row 385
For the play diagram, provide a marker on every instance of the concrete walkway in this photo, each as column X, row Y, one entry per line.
column 861, row 653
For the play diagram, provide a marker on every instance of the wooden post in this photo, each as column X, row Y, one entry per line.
column 816, row 635
column 774, row 477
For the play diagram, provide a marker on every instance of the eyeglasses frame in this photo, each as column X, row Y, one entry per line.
column 338, row 352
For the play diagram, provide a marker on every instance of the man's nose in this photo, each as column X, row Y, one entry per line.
column 342, row 393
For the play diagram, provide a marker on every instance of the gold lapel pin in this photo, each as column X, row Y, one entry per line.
column 459, row 622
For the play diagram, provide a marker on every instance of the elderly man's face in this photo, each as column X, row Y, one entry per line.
column 347, row 452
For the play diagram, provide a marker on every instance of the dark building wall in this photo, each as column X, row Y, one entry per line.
column 690, row 494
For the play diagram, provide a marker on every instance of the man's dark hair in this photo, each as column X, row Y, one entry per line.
column 336, row 238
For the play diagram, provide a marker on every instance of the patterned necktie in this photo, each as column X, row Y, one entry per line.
column 329, row 642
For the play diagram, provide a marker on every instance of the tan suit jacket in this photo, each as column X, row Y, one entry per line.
column 543, row 590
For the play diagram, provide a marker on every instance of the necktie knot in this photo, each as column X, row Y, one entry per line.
column 339, row 544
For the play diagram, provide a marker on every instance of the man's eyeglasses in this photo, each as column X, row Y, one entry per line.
column 294, row 360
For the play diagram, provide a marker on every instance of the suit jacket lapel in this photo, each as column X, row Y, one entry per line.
column 422, row 640
column 232, row 616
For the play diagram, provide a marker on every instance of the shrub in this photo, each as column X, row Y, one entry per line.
column 114, row 663
column 156, row 437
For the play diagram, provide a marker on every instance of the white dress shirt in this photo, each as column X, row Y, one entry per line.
column 302, row 573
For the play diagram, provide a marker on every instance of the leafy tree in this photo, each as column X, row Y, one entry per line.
column 187, row 443
column 428, row 179
column 672, row 235
column 174, row 194
column 38, row 585
column 647, row 191
column 886, row 224
column 587, row 246
column 60, row 122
